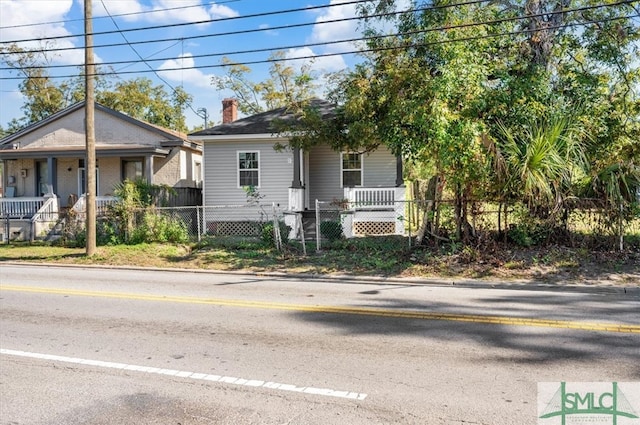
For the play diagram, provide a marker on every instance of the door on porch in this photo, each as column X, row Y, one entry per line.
column 82, row 178
column 42, row 173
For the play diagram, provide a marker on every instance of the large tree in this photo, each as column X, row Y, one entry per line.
column 461, row 83
column 140, row 99
column 44, row 96
column 285, row 85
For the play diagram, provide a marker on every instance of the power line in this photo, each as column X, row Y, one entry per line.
column 290, row 26
column 142, row 59
column 248, row 31
column 206, row 21
column 351, row 40
column 368, row 50
column 146, row 12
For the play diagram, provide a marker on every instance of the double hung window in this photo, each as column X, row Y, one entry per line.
column 351, row 169
column 248, row 169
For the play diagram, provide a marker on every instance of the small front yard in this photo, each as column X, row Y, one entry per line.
column 389, row 257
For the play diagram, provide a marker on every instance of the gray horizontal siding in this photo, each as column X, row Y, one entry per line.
column 221, row 173
column 324, row 172
column 379, row 168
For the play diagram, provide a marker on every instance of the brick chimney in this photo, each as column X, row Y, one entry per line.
column 229, row 110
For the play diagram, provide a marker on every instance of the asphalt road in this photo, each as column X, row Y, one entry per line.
column 105, row 346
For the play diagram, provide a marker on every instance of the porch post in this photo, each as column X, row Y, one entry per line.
column 399, row 179
column 52, row 174
column 4, row 176
column 148, row 169
column 296, row 183
column 296, row 190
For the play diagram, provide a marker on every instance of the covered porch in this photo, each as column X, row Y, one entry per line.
column 34, row 173
column 368, row 189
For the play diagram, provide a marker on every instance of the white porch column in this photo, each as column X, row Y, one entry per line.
column 296, row 199
column 296, row 190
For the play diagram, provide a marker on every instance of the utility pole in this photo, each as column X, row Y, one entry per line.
column 90, row 136
column 202, row 113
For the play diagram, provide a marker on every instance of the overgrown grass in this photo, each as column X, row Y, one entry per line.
column 386, row 256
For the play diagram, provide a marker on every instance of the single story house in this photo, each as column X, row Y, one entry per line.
column 239, row 153
column 46, row 160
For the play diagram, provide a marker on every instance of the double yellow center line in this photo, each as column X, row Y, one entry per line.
column 360, row 311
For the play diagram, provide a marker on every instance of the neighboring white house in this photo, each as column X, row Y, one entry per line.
column 240, row 153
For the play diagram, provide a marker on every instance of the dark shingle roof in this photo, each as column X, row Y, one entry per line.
column 265, row 122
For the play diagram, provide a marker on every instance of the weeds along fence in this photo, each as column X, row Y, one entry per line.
column 330, row 224
column 410, row 223
column 233, row 222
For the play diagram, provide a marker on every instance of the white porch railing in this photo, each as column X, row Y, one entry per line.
column 102, row 203
column 373, row 198
column 46, row 217
column 374, row 205
column 20, row 208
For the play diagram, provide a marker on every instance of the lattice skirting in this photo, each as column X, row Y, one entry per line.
column 234, row 228
column 374, row 228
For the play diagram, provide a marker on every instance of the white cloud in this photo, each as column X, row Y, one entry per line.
column 115, row 7
column 164, row 11
column 318, row 64
column 334, row 31
column 267, row 30
column 18, row 16
column 329, row 32
column 221, row 11
column 185, row 76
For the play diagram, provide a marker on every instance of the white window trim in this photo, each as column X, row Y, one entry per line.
column 342, row 154
column 197, row 172
column 248, row 169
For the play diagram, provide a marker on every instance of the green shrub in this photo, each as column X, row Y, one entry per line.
column 158, row 228
column 527, row 235
column 268, row 237
column 331, row 230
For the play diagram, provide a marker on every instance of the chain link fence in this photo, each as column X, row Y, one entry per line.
column 330, row 224
column 234, row 222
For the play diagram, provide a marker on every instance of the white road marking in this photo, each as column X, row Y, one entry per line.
column 191, row 375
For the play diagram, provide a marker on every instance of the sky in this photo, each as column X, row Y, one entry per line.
column 178, row 47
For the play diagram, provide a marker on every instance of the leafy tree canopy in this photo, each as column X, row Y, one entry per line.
column 285, row 85
column 459, row 84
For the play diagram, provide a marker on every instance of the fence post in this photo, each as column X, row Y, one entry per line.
column 409, row 208
column 317, row 226
column 621, row 228
column 277, row 237
column 199, row 226
column 300, row 225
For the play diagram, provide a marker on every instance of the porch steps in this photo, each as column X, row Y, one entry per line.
column 309, row 224
column 56, row 232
